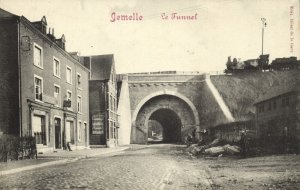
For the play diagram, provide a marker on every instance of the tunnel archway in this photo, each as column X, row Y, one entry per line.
column 165, row 92
column 167, row 104
column 164, row 126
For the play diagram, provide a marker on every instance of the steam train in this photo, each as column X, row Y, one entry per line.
column 261, row 63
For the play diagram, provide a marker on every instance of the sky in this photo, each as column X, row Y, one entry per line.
column 221, row 29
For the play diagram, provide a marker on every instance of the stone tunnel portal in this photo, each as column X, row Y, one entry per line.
column 171, row 113
column 164, row 125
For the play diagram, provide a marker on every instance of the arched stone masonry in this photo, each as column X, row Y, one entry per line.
column 171, row 100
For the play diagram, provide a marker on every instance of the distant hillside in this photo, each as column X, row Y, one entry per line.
column 241, row 90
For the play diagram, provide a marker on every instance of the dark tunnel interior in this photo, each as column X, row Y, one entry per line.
column 164, row 126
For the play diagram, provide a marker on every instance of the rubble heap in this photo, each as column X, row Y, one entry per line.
column 215, row 148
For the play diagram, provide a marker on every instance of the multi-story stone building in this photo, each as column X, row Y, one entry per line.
column 44, row 89
column 103, row 100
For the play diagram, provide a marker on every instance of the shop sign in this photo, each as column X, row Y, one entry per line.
column 98, row 124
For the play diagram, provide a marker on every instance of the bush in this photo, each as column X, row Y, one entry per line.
column 15, row 148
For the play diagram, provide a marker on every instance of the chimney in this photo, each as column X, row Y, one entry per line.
column 87, row 62
column 51, row 36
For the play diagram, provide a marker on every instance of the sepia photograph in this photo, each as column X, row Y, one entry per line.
column 150, row 95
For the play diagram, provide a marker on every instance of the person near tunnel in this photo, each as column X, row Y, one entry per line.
column 204, row 138
column 194, row 136
column 189, row 140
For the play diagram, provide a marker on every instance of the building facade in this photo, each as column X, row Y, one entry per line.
column 276, row 117
column 46, row 89
column 103, row 100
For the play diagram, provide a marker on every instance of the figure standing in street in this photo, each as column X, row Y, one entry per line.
column 285, row 140
column 68, row 146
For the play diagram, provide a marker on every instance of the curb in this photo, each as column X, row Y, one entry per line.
column 25, row 168
column 57, row 162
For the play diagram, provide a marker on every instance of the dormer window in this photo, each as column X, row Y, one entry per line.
column 41, row 25
column 61, row 42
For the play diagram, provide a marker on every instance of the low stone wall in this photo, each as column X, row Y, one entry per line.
column 231, row 132
column 257, row 139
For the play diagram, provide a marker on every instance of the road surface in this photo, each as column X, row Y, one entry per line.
column 162, row 166
column 150, row 167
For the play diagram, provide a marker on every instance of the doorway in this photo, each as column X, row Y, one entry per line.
column 58, row 140
column 85, row 134
column 69, row 131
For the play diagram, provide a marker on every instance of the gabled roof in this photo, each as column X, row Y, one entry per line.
column 63, row 38
column 44, row 20
column 104, row 65
column 6, row 14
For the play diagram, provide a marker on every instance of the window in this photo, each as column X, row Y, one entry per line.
column 115, row 105
column 274, row 104
column 39, row 129
column 111, row 130
column 110, row 102
column 38, row 56
column 112, row 78
column 115, row 132
column 69, row 75
column 285, row 101
column 38, row 88
column 270, row 106
column 69, row 95
column 57, row 95
column 79, row 104
column 79, row 80
column 56, row 67
column 67, row 103
column 79, row 130
column 260, row 108
column 85, row 131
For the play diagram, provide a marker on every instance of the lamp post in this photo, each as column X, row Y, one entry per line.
column 264, row 24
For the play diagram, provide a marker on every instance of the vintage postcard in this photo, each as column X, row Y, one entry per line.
column 173, row 94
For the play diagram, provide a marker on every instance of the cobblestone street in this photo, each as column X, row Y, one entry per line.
column 159, row 166
column 140, row 167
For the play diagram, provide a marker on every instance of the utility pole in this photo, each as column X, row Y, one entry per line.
column 264, row 24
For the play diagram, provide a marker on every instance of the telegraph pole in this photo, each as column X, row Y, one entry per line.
column 264, row 24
